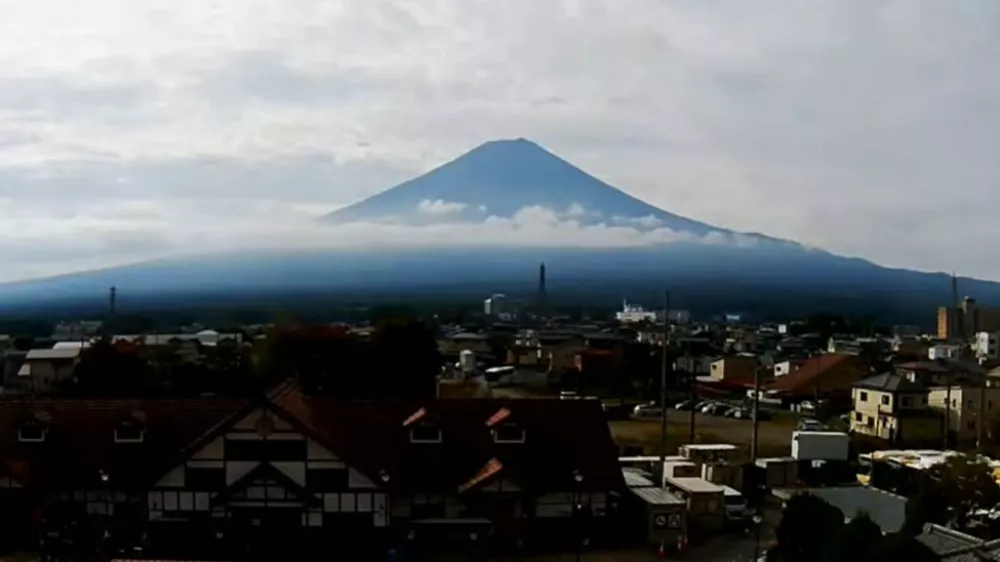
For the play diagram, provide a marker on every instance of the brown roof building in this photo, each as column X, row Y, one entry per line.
column 829, row 375
column 286, row 471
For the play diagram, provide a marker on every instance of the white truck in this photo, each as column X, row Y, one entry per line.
column 820, row 445
column 735, row 506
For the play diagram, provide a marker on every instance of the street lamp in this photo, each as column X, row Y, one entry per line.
column 758, row 521
column 577, row 508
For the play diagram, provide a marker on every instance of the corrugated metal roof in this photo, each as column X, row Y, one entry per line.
column 61, row 353
column 657, row 496
column 71, row 345
column 694, row 485
column 635, row 478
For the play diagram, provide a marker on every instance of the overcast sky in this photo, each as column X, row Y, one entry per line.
column 139, row 128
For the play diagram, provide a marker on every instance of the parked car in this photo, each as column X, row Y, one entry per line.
column 810, row 424
column 647, row 412
column 716, row 409
column 685, row 405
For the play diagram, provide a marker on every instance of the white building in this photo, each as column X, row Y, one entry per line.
column 631, row 314
column 986, row 345
column 498, row 305
column 943, row 352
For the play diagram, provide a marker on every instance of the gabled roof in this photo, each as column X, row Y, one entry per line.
column 80, row 439
column 890, row 382
column 561, row 436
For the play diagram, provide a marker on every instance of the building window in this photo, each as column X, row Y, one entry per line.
column 858, row 417
column 871, row 421
column 885, row 400
column 907, row 401
column 129, row 433
column 31, row 433
column 425, row 433
column 508, row 433
column 864, row 396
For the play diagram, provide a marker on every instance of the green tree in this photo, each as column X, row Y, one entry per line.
column 967, row 485
column 853, row 540
column 808, row 527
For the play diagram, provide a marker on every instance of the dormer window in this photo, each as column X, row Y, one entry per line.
column 423, row 427
column 31, row 433
column 425, row 432
column 508, row 433
column 130, row 431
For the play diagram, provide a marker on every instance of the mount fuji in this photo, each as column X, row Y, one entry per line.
column 709, row 269
column 500, row 179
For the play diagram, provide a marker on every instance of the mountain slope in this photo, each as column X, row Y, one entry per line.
column 500, row 178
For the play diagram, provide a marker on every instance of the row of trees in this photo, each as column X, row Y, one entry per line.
column 398, row 359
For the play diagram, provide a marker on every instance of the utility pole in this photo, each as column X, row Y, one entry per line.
column 956, row 323
column 692, row 398
column 981, row 417
column 663, row 384
column 756, row 411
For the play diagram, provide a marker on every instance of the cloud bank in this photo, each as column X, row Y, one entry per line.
column 866, row 127
column 138, row 230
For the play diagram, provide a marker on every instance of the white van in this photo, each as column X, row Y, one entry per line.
column 735, row 505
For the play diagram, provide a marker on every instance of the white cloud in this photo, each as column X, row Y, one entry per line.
column 439, row 207
column 648, row 221
column 44, row 243
column 865, row 127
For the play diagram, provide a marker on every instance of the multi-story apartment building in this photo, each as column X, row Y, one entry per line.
column 965, row 408
column 963, row 321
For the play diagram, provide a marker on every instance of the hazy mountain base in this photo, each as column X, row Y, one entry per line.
column 770, row 282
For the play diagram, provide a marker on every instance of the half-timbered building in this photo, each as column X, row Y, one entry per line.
column 288, row 473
